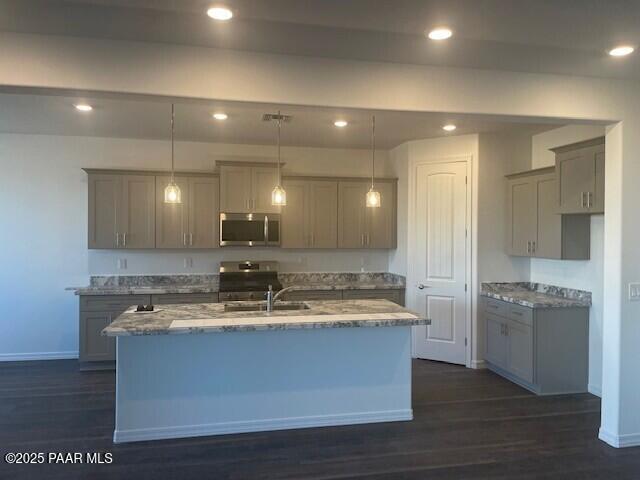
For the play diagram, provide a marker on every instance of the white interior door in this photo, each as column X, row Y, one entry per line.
column 439, row 260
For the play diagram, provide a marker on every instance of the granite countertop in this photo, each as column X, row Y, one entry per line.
column 211, row 317
column 536, row 295
column 209, row 283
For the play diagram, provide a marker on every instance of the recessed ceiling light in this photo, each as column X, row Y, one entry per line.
column 440, row 33
column 83, row 107
column 621, row 51
column 220, row 116
column 220, row 13
column 449, row 128
column 341, row 123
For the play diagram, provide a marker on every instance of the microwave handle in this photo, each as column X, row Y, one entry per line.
column 266, row 230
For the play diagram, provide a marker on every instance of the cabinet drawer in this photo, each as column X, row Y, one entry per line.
column 520, row 314
column 301, row 295
column 509, row 310
column 391, row 295
column 182, row 298
column 111, row 303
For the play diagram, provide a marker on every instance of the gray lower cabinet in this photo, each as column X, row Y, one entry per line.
column 183, row 298
column 544, row 350
column 97, row 311
column 395, row 295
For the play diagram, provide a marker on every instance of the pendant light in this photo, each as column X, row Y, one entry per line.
column 172, row 191
column 373, row 196
column 278, row 195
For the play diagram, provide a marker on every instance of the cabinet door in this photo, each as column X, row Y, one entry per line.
column 351, row 214
column 548, row 241
column 137, row 211
column 235, row 189
column 597, row 205
column 394, row 296
column 203, row 212
column 323, row 214
column 93, row 346
column 263, row 181
column 381, row 224
column 496, row 341
column 295, row 215
column 575, row 171
column 105, row 192
column 520, row 350
column 171, row 218
column 522, row 216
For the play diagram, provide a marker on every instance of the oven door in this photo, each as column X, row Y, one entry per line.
column 249, row 229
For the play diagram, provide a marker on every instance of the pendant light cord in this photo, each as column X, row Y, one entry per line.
column 279, row 128
column 172, row 120
column 373, row 148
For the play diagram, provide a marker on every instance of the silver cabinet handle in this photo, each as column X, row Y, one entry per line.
column 368, row 240
column 124, row 239
column 533, row 246
column 582, row 204
column 529, row 246
column 191, row 239
column 362, row 239
column 589, row 199
column 184, row 239
column 117, row 239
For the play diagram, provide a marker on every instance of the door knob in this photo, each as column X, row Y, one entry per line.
column 422, row 286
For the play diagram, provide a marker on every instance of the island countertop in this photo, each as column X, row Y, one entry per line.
column 212, row 317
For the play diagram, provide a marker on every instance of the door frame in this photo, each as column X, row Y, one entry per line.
column 411, row 246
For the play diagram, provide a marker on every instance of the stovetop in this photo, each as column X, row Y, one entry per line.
column 248, row 276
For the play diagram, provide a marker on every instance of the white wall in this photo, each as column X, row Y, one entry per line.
column 81, row 64
column 584, row 275
column 44, row 234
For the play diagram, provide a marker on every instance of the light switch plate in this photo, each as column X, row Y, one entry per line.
column 634, row 292
column 188, row 262
column 122, row 263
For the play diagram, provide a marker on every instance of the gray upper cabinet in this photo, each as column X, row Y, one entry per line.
column 363, row 227
column 309, row 220
column 192, row 223
column 580, row 171
column 105, row 196
column 535, row 229
column 121, row 211
column 246, row 189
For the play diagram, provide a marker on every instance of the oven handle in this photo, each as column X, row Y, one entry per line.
column 266, row 230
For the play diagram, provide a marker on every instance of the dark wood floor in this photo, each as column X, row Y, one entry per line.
column 468, row 425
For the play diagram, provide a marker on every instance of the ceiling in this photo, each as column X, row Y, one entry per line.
column 552, row 36
column 125, row 118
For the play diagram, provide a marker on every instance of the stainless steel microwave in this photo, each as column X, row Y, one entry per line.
column 250, row 229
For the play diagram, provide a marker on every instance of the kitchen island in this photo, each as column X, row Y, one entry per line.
column 206, row 369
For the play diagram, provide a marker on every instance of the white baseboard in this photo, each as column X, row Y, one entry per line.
column 594, row 389
column 20, row 357
column 478, row 364
column 620, row 441
column 182, row 431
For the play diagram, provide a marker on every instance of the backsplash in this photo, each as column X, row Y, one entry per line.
column 213, row 279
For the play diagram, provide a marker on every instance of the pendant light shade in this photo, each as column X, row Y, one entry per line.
column 373, row 196
column 172, row 192
column 278, row 195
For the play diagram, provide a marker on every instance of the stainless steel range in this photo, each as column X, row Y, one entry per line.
column 247, row 280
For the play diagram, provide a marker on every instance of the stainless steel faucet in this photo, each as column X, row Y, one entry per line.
column 271, row 298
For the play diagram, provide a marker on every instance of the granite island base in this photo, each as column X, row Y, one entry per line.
column 347, row 362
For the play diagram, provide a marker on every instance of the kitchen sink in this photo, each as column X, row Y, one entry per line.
column 262, row 307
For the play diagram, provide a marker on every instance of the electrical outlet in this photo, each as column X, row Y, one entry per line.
column 188, row 262
column 122, row 264
column 634, row 292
